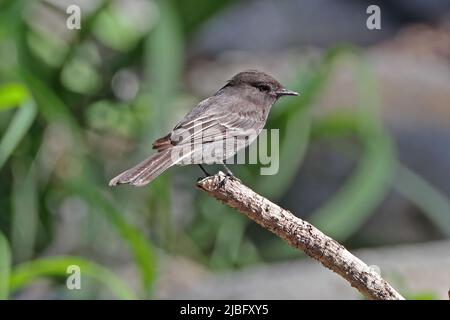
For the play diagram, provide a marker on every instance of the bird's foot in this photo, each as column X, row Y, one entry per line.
column 227, row 176
column 233, row 178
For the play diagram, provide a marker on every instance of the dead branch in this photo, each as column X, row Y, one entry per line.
column 301, row 235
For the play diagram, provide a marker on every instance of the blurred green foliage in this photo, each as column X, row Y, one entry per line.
column 5, row 267
column 65, row 133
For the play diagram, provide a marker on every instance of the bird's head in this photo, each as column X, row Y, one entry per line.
column 260, row 82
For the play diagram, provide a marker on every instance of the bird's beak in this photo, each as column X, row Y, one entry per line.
column 286, row 92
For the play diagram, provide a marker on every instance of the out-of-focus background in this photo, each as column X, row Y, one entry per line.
column 364, row 151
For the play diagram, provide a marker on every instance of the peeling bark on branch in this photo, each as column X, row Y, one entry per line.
column 300, row 234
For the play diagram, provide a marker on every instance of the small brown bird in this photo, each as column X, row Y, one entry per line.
column 234, row 115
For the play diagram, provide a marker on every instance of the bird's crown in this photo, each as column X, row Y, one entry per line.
column 254, row 77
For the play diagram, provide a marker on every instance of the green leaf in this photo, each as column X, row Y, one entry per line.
column 12, row 95
column 5, row 266
column 115, row 31
column 80, row 76
column 430, row 200
column 49, row 104
column 16, row 130
column 337, row 124
column 422, row 295
column 25, row 273
column 25, row 215
column 51, row 50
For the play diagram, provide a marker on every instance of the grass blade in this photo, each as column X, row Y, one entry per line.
column 349, row 208
column 28, row 272
column 50, row 105
column 5, row 266
column 24, row 215
column 12, row 95
column 430, row 200
column 16, row 130
column 142, row 251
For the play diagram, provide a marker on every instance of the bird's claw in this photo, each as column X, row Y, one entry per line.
column 234, row 178
column 226, row 177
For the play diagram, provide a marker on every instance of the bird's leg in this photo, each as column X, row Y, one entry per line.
column 229, row 172
column 204, row 171
column 229, row 175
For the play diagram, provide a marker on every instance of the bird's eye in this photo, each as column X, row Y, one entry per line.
column 263, row 87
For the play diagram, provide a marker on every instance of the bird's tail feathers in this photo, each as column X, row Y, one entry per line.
column 146, row 171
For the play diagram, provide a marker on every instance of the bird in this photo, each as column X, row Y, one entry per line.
column 234, row 116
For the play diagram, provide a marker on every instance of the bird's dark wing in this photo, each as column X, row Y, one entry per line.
column 216, row 118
